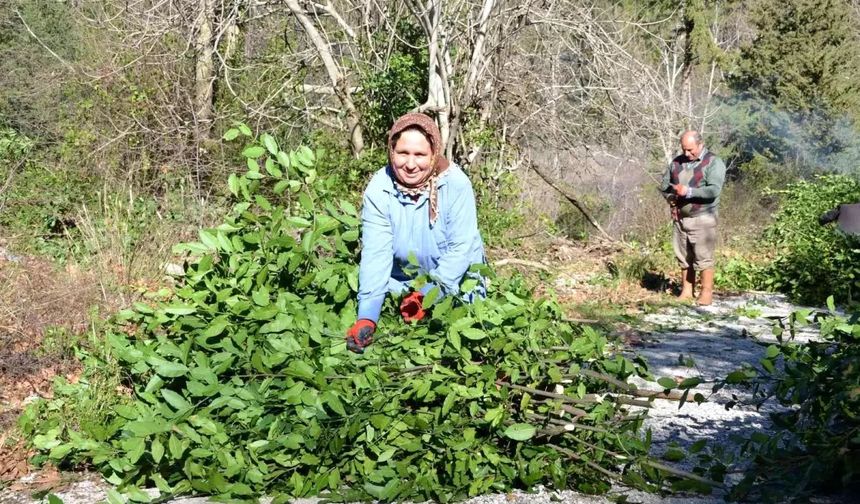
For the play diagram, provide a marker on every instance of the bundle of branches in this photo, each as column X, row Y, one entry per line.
column 240, row 383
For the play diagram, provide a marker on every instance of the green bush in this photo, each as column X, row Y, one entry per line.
column 241, row 383
column 811, row 262
column 739, row 273
column 816, row 443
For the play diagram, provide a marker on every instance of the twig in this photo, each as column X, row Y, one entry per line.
column 588, row 399
column 55, row 55
column 521, row 262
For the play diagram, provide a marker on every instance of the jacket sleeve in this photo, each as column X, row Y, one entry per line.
column 377, row 255
column 712, row 185
column 664, row 184
column 461, row 235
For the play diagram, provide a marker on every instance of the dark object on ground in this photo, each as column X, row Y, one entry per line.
column 847, row 217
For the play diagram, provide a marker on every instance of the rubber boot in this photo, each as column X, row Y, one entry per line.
column 706, row 296
column 688, row 283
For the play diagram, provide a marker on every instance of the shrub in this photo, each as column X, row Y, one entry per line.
column 810, row 261
column 815, row 445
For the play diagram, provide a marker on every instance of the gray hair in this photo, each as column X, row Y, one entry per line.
column 697, row 137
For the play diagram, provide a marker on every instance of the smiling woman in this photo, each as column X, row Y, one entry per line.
column 418, row 205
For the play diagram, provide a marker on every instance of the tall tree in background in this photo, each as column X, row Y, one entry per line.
column 797, row 98
column 805, row 56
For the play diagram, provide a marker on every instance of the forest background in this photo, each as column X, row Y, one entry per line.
column 121, row 121
column 112, row 116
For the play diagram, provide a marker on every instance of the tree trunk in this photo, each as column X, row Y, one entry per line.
column 338, row 81
column 204, row 70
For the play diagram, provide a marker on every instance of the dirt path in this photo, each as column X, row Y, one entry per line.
column 715, row 340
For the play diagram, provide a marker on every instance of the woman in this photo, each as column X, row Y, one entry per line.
column 419, row 204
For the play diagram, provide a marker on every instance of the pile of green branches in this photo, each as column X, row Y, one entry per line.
column 241, row 385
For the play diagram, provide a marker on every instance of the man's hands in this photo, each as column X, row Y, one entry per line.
column 411, row 308
column 680, row 190
column 360, row 335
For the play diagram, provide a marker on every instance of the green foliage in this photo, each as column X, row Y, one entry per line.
column 811, row 262
column 386, row 94
column 241, row 383
column 500, row 215
column 819, row 429
column 795, row 99
column 36, row 200
column 804, row 56
column 349, row 175
column 29, row 102
column 739, row 273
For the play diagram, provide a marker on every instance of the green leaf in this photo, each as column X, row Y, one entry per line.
column 167, row 368
column 180, row 309
column 215, row 328
column 283, row 159
column 772, row 351
column 261, row 296
column 156, row 450
column 333, row 402
column 253, row 151
column 177, row 401
column 298, row 222
column 281, row 186
column 454, row 338
column 305, row 156
column 473, row 333
column 520, row 431
column 231, row 134
column 233, row 184
column 667, row 383
column 115, row 497
column 244, row 129
column 412, row 259
column 674, row 455
column 270, row 143
column 272, row 169
column 689, row 383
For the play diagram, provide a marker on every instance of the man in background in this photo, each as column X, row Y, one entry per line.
column 847, row 218
column 692, row 185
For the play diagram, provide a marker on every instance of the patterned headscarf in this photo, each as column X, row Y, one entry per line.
column 439, row 163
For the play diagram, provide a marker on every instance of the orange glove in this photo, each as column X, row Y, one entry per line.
column 411, row 308
column 360, row 335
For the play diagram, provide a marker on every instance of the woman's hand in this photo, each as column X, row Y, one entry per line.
column 412, row 307
column 360, row 335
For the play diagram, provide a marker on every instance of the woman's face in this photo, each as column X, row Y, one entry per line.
column 412, row 158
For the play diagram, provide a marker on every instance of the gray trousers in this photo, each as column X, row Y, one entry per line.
column 694, row 240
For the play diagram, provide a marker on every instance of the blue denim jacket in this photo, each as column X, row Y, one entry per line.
column 393, row 225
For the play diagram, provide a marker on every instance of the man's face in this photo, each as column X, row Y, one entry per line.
column 691, row 149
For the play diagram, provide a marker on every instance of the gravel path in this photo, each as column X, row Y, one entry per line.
column 716, row 339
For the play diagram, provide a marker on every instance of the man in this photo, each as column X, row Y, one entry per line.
column 847, row 218
column 692, row 186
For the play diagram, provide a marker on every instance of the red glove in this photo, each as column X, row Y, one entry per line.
column 360, row 335
column 411, row 308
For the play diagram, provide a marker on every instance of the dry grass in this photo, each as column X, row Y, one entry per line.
column 126, row 246
column 43, row 309
column 38, row 299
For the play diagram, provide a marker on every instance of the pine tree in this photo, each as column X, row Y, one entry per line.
column 805, row 57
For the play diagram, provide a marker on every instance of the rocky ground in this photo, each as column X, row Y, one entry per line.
column 678, row 342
